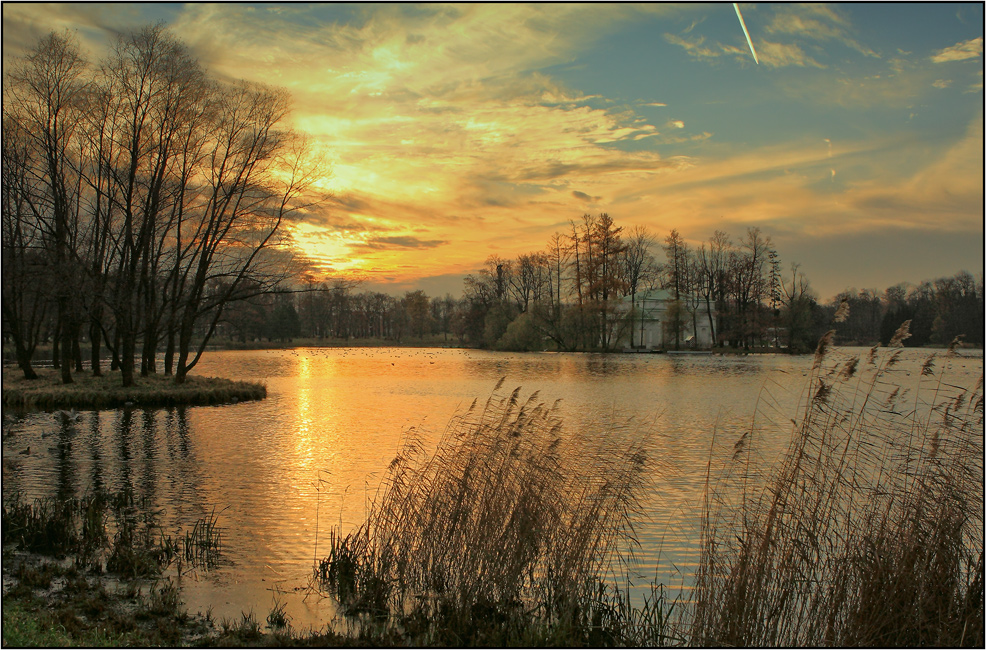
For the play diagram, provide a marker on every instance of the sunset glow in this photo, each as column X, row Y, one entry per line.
column 453, row 132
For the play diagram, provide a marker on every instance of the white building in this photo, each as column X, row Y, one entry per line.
column 654, row 326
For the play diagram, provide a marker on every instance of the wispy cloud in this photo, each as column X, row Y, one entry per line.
column 582, row 196
column 817, row 22
column 695, row 47
column 779, row 55
column 971, row 49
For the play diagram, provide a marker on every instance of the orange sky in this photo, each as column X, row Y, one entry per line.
column 458, row 131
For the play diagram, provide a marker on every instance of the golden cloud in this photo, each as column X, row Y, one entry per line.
column 971, row 49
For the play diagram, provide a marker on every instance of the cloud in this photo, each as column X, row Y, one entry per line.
column 771, row 54
column 695, row 48
column 582, row 196
column 816, row 22
column 976, row 86
column 971, row 49
column 678, row 124
column 942, row 83
column 946, row 193
column 779, row 55
column 378, row 243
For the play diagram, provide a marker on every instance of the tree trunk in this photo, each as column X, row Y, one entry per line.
column 56, row 360
column 712, row 326
column 95, row 339
column 115, row 351
column 24, row 358
column 65, row 334
column 127, row 350
column 77, row 350
column 169, row 353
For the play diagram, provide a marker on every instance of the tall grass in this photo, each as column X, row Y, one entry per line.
column 869, row 532
column 514, row 531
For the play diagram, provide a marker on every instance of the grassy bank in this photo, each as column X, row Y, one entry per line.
column 88, row 392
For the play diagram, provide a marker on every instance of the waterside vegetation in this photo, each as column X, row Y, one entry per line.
column 869, row 531
column 106, row 391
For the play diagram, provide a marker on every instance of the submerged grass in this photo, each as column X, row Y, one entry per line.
column 105, row 586
column 115, row 532
column 869, row 531
column 47, row 392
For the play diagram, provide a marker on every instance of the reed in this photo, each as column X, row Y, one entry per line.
column 869, row 531
column 202, row 545
column 513, row 531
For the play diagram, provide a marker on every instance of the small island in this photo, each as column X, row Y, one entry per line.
column 88, row 392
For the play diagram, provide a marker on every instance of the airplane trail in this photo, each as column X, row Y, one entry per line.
column 743, row 25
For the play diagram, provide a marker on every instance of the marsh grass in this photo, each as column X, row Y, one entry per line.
column 868, row 532
column 202, row 545
column 116, row 531
column 513, row 531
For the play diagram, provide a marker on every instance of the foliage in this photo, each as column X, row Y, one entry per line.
column 522, row 335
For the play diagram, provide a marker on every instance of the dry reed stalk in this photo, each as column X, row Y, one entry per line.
column 510, row 531
column 870, row 531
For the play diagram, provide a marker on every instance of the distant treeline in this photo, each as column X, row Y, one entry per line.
column 580, row 293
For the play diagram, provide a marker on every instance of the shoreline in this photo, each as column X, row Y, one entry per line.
column 87, row 392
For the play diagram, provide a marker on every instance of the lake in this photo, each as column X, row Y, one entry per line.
column 283, row 471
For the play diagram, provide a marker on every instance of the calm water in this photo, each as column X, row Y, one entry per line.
column 310, row 455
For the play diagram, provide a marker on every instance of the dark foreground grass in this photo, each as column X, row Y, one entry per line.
column 88, row 392
column 89, row 572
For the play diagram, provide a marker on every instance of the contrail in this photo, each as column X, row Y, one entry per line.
column 743, row 25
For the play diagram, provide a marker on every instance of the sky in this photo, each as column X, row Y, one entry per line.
column 458, row 131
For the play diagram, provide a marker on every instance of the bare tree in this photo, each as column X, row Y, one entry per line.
column 25, row 298
column 638, row 266
column 43, row 98
column 257, row 177
column 798, row 301
column 677, row 278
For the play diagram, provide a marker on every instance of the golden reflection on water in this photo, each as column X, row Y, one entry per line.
column 317, row 447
